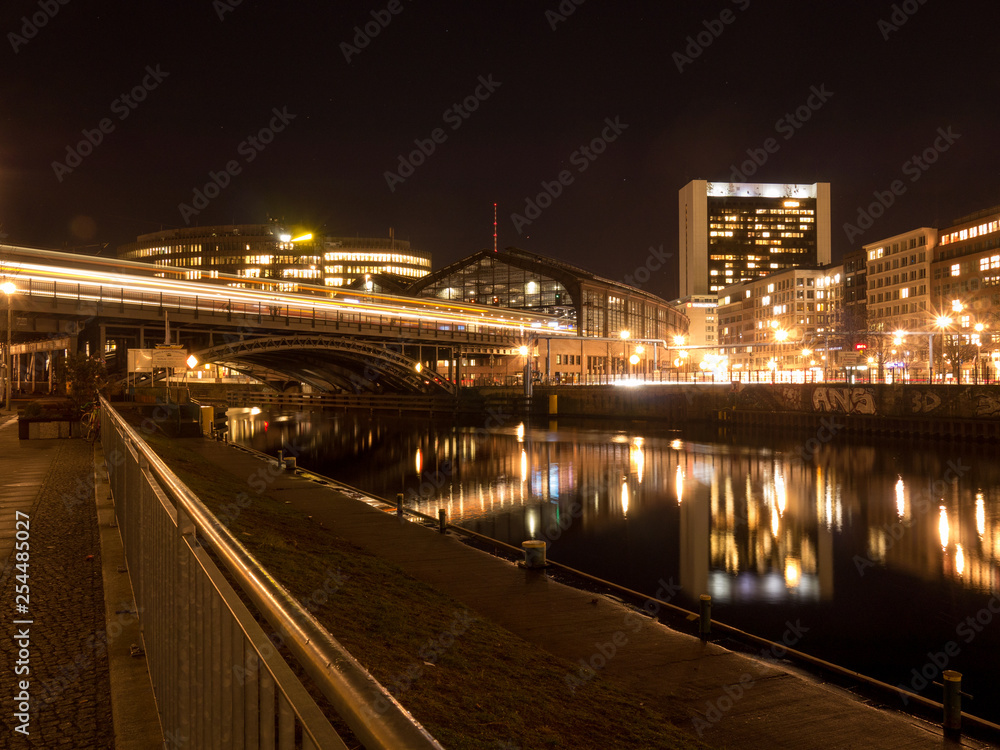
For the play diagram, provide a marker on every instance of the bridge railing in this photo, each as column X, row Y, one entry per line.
column 35, row 294
column 219, row 680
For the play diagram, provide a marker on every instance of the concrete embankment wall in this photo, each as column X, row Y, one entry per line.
column 946, row 411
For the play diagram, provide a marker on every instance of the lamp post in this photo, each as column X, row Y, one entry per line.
column 942, row 322
column 980, row 327
column 8, row 289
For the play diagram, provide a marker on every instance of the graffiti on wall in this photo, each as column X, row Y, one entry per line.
column 844, row 400
column 987, row 405
column 924, row 402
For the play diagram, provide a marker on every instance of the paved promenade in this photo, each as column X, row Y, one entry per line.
column 727, row 699
column 51, row 482
column 87, row 687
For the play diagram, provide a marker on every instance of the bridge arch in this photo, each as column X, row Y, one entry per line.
column 329, row 363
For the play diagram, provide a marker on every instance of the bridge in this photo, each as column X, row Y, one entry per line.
column 331, row 339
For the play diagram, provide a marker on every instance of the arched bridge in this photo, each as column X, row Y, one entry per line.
column 329, row 363
column 331, row 339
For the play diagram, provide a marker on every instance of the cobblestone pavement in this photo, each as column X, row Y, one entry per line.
column 70, row 691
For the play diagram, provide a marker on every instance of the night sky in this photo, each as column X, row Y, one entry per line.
column 212, row 75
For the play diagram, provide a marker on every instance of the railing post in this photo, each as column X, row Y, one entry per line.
column 442, row 520
column 399, row 503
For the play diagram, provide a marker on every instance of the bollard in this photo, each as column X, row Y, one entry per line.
column 399, row 504
column 534, row 554
column 281, row 458
column 290, row 463
column 442, row 520
column 952, row 702
column 705, row 624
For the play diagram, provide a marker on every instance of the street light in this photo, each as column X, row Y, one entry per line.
column 8, row 289
column 942, row 322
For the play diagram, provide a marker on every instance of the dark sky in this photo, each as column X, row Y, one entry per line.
column 229, row 67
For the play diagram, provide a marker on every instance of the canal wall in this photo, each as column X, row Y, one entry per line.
column 945, row 411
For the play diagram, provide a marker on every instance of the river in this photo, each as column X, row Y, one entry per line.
column 880, row 556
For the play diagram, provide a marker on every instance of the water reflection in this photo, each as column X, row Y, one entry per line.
column 747, row 523
column 855, row 536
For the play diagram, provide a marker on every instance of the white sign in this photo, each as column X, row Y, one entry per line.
column 170, row 358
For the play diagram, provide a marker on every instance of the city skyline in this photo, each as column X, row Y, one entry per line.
column 580, row 121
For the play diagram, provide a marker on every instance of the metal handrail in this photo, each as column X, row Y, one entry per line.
column 346, row 684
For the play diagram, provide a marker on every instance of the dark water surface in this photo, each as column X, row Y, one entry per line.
column 884, row 556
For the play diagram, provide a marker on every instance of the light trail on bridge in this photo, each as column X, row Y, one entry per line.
column 46, row 267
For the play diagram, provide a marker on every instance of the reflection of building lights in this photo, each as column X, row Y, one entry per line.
column 980, row 514
column 532, row 523
column 959, row 559
column 775, row 521
column 624, row 497
column 524, row 466
column 779, row 493
column 943, row 527
column 520, row 433
column 637, row 458
column 419, row 461
column 793, row 573
column 900, row 499
column 679, row 484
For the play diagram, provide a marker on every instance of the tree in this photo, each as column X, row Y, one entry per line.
column 84, row 377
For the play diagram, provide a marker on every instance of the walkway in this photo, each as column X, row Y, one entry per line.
column 74, row 633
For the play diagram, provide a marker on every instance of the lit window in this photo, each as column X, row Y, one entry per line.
column 956, row 269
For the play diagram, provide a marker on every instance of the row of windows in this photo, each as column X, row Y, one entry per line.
column 970, row 233
column 379, row 258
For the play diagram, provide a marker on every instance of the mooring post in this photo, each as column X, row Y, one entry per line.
column 442, row 520
column 399, row 503
column 952, row 702
column 705, row 624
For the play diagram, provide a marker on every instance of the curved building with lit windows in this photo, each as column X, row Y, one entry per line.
column 277, row 255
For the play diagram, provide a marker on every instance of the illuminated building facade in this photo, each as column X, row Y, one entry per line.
column 733, row 232
column 781, row 323
column 965, row 289
column 595, row 307
column 275, row 255
column 703, row 321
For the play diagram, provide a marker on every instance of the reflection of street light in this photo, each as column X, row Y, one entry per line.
column 8, row 289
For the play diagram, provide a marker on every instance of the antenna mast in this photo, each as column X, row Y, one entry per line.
column 494, row 227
